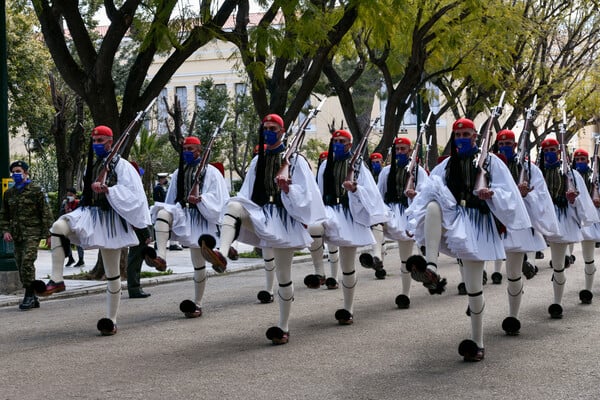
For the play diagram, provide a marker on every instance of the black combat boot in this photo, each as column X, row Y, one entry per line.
column 28, row 301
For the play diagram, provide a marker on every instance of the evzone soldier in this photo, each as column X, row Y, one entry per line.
column 374, row 258
column 352, row 208
column 272, row 211
column 517, row 243
column 574, row 209
column 318, row 279
column 448, row 215
column 186, row 217
column 397, row 196
column 591, row 233
column 111, row 209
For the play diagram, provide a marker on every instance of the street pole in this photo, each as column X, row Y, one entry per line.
column 9, row 276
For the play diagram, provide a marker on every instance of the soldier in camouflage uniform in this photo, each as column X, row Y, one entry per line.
column 25, row 219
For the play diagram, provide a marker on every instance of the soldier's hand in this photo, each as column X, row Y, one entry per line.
column 410, row 193
column 571, row 196
column 485, row 194
column 596, row 203
column 194, row 199
column 8, row 237
column 98, row 187
column 283, row 183
column 350, row 186
column 524, row 188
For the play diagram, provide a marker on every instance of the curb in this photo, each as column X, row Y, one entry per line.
column 100, row 286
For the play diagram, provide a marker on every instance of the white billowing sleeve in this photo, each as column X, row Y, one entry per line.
column 539, row 204
column 248, row 184
column 303, row 202
column 172, row 189
column 214, row 195
column 382, row 181
column 584, row 206
column 506, row 203
column 366, row 204
column 127, row 196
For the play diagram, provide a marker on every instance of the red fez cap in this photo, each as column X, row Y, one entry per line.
column 581, row 153
column 342, row 133
column 462, row 123
column 376, row 156
column 274, row 118
column 323, row 155
column 402, row 140
column 102, row 130
column 191, row 140
column 505, row 134
column 549, row 142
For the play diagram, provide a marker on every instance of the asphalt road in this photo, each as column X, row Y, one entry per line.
column 55, row 352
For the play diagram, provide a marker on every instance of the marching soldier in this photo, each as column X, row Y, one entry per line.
column 538, row 203
column 188, row 218
column 352, row 208
column 272, row 211
column 105, row 221
column 573, row 207
column 450, row 217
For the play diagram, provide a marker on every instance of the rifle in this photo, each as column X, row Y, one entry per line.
column 195, row 190
column 565, row 166
column 357, row 157
column 413, row 166
column 482, row 180
column 119, row 143
column 594, row 177
column 296, row 142
column 427, row 150
column 523, row 147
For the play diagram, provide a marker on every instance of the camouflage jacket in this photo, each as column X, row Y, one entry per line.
column 26, row 213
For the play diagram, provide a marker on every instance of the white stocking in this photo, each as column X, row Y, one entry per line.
column 498, row 266
column 514, row 266
column 316, row 248
column 333, row 256
column 433, row 232
column 558, row 252
column 377, row 231
column 111, row 258
column 347, row 259
column 234, row 214
column 285, row 293
column 162, row 228
column 405, row 249
column 269, row 258
column 199, row 264
column 473, row 281
column 59, row 227
column 587, row 249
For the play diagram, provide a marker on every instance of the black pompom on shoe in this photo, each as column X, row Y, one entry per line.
column 469, row 350
column 402, row 301
column 511, row 326
column 555, row 311
column 586, row 296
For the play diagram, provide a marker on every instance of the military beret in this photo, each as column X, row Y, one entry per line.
column 19, row 163
column 191, row 140
column 581, row 153
column 342, row 133
column 402, row 140
column 102, row 130
column 274, row 118
column 505, row 134
column 462, row 123
column 549, row 142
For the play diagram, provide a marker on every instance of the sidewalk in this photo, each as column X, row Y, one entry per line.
column 178, row 261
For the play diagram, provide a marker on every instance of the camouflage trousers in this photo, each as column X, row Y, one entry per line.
column 26, row 252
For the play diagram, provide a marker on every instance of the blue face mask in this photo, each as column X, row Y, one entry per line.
column 270, row 137
column 188, row 157
column 463, row 145
column 581, row 167
column 402, row 159
column 338, row 151
column 17, row 177
column 507, row 151
column 550, row 157
column 100, row 151
column 376, row 168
